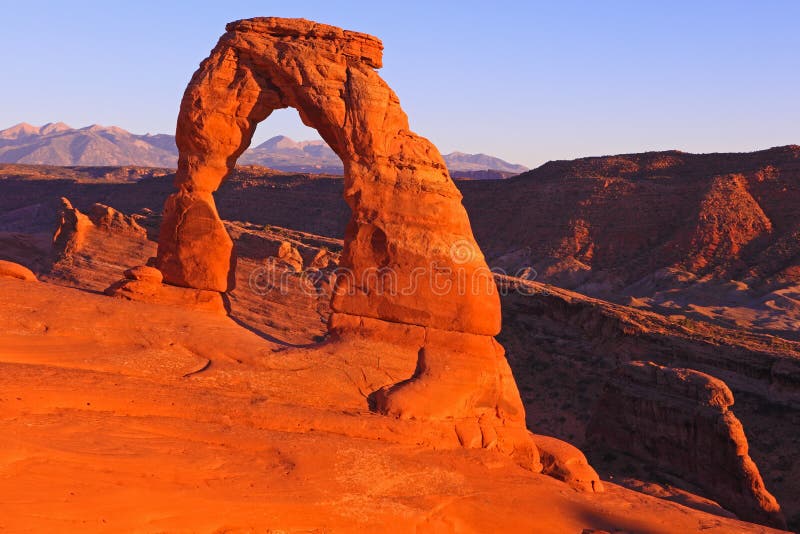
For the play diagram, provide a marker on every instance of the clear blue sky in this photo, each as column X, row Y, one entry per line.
column 527, row 81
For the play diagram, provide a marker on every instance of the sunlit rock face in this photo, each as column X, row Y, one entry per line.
column 409, row 258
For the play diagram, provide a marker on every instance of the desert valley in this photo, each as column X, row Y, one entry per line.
column 361, row 334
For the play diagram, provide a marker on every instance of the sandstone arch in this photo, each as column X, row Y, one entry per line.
column 406, row 214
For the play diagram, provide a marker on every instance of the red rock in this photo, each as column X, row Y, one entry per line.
column 91, row 247
column 71, row 230
column 288, row 254
column 10, row 269
column 322, row 259
column 566, row 462
column 157, row 293
column 406, row 211
column 679, row 420
column 107, row 218
column 194, row 250
column 144, row 273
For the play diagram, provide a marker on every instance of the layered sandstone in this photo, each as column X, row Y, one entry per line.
column 679, row 420
column 551, row 336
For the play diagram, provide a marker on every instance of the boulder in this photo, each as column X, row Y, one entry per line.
column 566, row 462
column 289, row 255
column 10, row 269
column 144, row 273
column 157, row 293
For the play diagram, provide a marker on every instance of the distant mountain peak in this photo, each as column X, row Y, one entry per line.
column 22, row 129
column 54, row 127
column 281, row 142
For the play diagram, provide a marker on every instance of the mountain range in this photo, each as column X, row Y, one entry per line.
column 60, row 144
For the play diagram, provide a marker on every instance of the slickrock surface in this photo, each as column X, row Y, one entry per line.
column 115, row 424
column 679, row 420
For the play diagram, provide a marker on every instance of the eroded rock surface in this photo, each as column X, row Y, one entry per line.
column 679, row 420
column 94, row 243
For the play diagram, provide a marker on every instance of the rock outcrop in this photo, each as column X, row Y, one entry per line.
column 73, row 226
column 93, row 243
column 9, row 269
column 680, row 421
column 566, row 462
column 143, row 283
column 71, row 229
column 410, row 261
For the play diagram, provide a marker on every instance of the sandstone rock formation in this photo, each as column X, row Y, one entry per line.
column 409, row 256
column 73, row 226
column 70, row 231
column 566, row 462
column 144, row 273
column 216, row 416
column 679, row 420
column 406, row 211
column 107, row 218
column 10, row 269
column 288, row 254
column 94, row 242
column 143, row 283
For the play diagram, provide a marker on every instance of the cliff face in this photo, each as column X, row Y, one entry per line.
column 625, row 217
column 680, row 421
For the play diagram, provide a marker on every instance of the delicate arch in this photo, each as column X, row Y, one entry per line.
column 406, row 212
column 410, row 270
